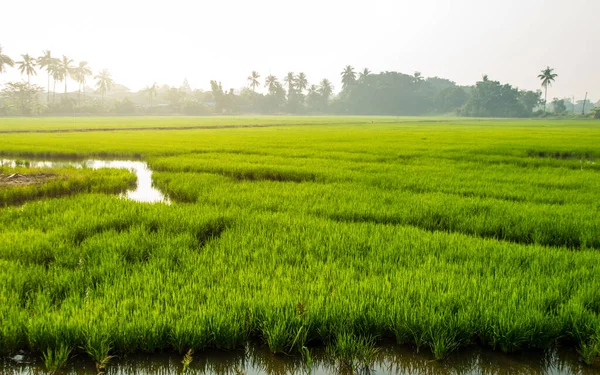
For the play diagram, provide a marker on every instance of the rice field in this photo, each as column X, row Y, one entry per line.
column 341, row 233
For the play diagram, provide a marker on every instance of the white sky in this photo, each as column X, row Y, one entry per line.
column 142, row 42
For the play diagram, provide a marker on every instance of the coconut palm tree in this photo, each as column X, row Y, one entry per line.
column 5, row 61
column 348, row 77
column 151, row 90
column 253, row 80
column 105, row 82
column 80, row 73
column 27, row 66
column 417, row 78
column 547, row 76
column 364, row 74
column 301, row 82
column 326, row 89
column 46, row 61
column 66, row 69
column 57, row 76
column 290, row 82
column 271, row 82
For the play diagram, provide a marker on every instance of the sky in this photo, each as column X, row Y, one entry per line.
column 146, row 41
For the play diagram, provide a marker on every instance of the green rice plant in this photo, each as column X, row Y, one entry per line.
column 437, row 234
column 98, row 347
column 56, row 358
column 353, row 352
column 589, row 351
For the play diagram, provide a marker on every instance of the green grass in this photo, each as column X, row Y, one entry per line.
column 440, row 235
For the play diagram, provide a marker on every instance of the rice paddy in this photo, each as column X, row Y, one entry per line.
column 341, row 233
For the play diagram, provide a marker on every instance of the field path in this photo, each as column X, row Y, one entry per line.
column 145, row 128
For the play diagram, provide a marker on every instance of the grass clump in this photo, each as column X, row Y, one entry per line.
column 56, row 358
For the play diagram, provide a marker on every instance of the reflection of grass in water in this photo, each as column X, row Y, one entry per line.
column 187, row 360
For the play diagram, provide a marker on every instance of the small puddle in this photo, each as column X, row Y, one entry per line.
column 391, row 359
column 144, row 192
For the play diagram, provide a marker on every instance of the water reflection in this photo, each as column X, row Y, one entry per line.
column 144, row 192
column 391, row 360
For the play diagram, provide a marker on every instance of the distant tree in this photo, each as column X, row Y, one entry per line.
column 325, row 90
column 124, row 107
column 253, row 80
column 493, row 99
column 417, row 78
column 217, row 91
column 364, row 74
column 450, row 99
column 271, row 83
column 80, row 74
column 48, row 62
column 5, row 61
column 57, row 76
column 151, row 91
column 276, row 96
column 530, row 100
column 301, row 82
column 185, row 88
column 66, row 69
column 175, row 97
column 104, row 83
column 348, row 77
column 21, row 97
column 559, row 106
column 547, row 76
column 290, row 81
column 313, row 98
column 27, row 66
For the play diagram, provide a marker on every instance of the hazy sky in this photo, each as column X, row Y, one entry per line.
column 145, row 41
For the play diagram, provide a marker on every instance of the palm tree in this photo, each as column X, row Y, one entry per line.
column 46, row 61
column 290, row 82
column 547, row 76
column 5, row 61
column 301, row 82
column 57, row 76
column 66, row 69
column 151, row 90
column 105, row 82
column 326, row 89
column 364, row 74
column 80, row 73
column 27, row 66
column 253, row 79
column 348, row 77
column 271, row 82
column 417, row 78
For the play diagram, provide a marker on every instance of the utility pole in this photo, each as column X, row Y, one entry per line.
column 584, row 100
column 573, row 103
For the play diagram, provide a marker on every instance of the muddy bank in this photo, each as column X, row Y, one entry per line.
column 18, row 179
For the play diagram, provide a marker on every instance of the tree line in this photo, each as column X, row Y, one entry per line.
column 362, row 93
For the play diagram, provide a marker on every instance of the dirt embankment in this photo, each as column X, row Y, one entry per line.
column 17, row 179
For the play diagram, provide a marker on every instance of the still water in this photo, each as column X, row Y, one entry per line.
column 144, row 192
column 391, row 359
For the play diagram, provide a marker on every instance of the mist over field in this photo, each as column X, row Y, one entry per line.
column 185, row 46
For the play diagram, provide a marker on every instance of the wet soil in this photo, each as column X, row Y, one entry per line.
column 17, row 179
